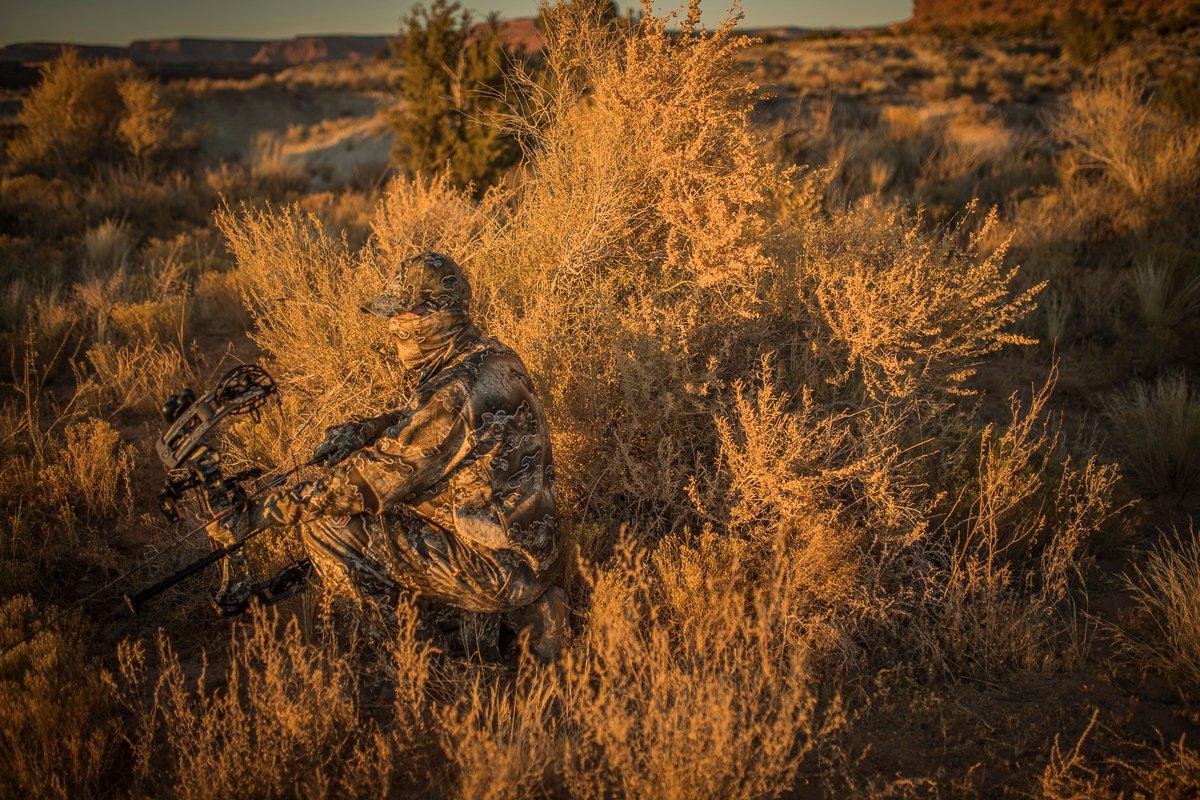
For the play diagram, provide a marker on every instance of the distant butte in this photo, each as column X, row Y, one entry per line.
column 959, row 13
column 521, row 34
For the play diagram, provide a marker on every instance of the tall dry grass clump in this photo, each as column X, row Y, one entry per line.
column 1017, row 536
column 1166, row 590
column 66, row 479
column 1156, row 430
column 90, row 471
column 287, row 717
column 1138, row 147
column 695, row 657
column 1131, row 167
column 283, row 717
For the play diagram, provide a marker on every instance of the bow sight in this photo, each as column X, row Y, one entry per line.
column 193, row 463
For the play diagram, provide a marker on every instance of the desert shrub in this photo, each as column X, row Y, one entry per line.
column 1067, row 775
column 637, row 252
column 908, row 314
column 1171, row 772
column 644, row 265
column 83, row 112
column 56, row 739
column 71, row 117
column 1166, row 590
column 1146, row 158
column 453, row 79
column 90, row 471
column 1086, row 38
column 1109, row 126
column 688, row 664
column 148, row 127
column 1155, row 428
column 159, row 204
column 1017, row 538
column 783, row 461
column 430, row 214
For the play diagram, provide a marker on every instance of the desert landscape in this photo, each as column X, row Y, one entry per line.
column 869, row 358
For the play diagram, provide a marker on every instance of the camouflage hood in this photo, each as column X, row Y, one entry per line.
column 428, row 302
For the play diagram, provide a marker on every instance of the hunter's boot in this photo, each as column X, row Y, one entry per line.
column 544, row 622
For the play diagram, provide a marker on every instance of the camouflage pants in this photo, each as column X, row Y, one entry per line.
column 379, row 554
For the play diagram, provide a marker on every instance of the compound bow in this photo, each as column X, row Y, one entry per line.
column 193, row 462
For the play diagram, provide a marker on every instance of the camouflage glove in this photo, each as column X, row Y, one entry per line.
column 279, row 507
column 340, row 442
column 229, row 528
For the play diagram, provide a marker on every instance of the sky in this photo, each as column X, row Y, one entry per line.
column 121, row 21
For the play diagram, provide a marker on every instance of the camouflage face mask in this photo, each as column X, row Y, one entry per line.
column 422, row 340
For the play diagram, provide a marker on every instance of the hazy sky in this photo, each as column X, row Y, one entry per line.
column 119, row 21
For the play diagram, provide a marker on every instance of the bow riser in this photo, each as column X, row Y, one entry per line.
column 185, row 449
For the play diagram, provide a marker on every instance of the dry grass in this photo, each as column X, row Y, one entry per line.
column 1156, row 429
column 137, row 377
column 107, row 247
column 280, row 720
column 1167, row 593
column 1162, row 301
column 90, row 471
column 55, row 739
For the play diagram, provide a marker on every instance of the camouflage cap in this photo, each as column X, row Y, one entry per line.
column 429, row 279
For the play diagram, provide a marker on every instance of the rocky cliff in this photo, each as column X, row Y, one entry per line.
column 955, row 13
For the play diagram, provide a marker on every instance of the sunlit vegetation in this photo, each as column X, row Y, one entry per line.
column 869, row 362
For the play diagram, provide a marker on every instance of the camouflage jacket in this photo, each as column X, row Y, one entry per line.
column 469, row 454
